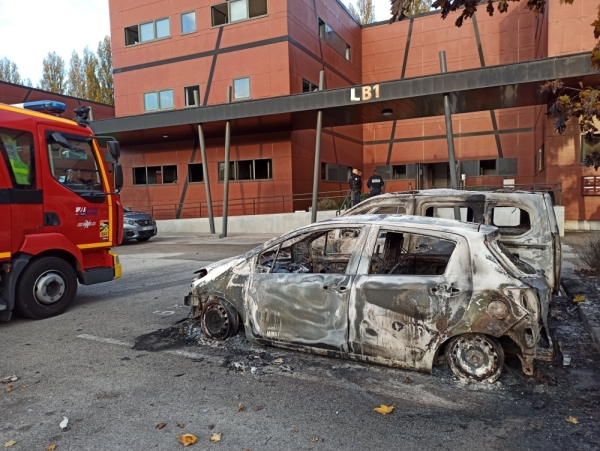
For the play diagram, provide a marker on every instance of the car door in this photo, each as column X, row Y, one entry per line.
column 411, row 288
column 76, row 203
column 299, row 290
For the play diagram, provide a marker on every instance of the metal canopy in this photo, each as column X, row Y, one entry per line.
column 488, row 88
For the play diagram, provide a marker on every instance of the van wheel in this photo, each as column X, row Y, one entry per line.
column 475, row 356
column 46, row 288
column 219, row 320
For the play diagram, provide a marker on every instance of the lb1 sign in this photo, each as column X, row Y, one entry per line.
column 364, row 93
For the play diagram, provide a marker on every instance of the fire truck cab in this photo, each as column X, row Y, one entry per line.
column 59, row 207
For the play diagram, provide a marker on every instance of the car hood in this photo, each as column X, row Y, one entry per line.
column 214, row 270
column 137, row 215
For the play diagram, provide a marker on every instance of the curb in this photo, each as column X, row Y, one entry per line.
column 573, row 287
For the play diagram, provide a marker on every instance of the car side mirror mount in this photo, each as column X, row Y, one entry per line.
column 114, row 148
column 118, row 177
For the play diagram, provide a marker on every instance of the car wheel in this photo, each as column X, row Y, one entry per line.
column 219, row 320
column 146, row 238
column 475, row 356
column 46, row 288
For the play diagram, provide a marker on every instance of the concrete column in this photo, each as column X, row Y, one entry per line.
column 226, row 175
column 317, row 169
column 211, row 218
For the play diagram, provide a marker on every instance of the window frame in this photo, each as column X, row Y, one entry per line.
column 190, row 173
column 327, row 33
column 195, row 22
column 162, row 170
column 185, row 95
column 154, row 30
column 158, row 100
column 228, row 18
column 310, row 85
column 238, row 99
column 233, row 175
column 33, row 177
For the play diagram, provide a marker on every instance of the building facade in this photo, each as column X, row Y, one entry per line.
column 175, row 58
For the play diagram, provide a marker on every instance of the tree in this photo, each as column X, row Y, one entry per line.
column 76, row 77
column 53, row 74
column 90, row 68
column 105, row 77
column 9, row 71
column 419, row 6
column 364, row 11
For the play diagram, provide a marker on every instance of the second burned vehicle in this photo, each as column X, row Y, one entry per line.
column 393, row 290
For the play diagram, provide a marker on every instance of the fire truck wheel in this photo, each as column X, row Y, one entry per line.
column 46, row 288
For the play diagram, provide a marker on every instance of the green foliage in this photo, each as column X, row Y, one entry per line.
column 76, row 77
column 53, row 74
column 364, row 11
column 9, row 71
column 104, row 72
column 327, row 204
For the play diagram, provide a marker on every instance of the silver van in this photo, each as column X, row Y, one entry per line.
column 525, row 220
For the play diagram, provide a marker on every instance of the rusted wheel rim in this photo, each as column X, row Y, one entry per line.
column 216, row 321
column 475, row 357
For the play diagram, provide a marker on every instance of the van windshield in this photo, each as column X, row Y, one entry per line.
column 508, row 259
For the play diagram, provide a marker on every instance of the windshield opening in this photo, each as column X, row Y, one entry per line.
column 509, row 259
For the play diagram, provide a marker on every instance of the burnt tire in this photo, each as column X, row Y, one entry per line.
column 219, row 320
column 46, row 288
column 475, row 356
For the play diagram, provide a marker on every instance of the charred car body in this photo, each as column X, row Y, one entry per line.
column 525, row 220
column 394, row 290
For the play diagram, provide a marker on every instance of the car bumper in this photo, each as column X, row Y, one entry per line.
column 136, row 232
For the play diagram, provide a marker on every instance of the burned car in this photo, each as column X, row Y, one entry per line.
column 401, row 291
column 525, row 220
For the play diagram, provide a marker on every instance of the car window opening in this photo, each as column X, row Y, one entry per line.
column 325, row 252
column 399, row 253
column 512, row 221
column 466, row 213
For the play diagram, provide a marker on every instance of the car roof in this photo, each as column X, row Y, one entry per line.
column 459, row 193
column 422, row 222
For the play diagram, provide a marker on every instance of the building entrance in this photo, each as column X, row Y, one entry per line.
column 433, row 175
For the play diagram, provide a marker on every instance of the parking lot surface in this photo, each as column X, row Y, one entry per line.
column 124, row 359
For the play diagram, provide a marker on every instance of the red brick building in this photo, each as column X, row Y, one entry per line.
column 174, row 59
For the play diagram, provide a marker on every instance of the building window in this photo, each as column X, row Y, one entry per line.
column 241, row 88
column 188, row 22
column 589, row 147
column 237, row 10
column 499, row 167
column 334, row 40
column 155, row 175
column 307, row 86
column 487, row 167
column 247, row 170
column 540, row 159
column 335, row 173
column 192, row 95
column 195, row 173
column 397, row 171
column 160, row 100
column 146, row 32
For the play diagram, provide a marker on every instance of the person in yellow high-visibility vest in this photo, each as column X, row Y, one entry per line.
column 20, row 169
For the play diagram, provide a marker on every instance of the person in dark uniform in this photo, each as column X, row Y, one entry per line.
column 375, row 184
column 355, row 182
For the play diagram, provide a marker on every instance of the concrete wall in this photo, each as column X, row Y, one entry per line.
column 278, row 223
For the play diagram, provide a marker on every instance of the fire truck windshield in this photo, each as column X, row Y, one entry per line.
column 74, row 167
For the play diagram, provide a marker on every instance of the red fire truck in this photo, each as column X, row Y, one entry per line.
column 60, row 203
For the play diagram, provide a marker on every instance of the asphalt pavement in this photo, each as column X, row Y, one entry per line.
column 124, row 359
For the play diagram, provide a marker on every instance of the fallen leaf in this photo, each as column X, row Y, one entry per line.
column 579, row 298
column 211, row 426
column 10, row 443
column 257, row 408
column 9, row 379
column 317, row 439
column 572, row 420
column 383, row 409
column 160, row 425
column 278, row 361
column 294, row 430
column 180, row 425
column 25, row 386
column 408, row 380
column 187, row 439
column 8, row 389
column 241, row 407
column 50, row 447
column 216, row 437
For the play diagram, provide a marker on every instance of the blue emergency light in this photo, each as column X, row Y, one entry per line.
column 46, row 106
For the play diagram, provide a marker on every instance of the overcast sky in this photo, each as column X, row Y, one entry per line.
column 29, row 29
